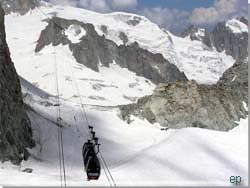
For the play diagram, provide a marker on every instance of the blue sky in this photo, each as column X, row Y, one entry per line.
column 174, row 15
column 177, row 4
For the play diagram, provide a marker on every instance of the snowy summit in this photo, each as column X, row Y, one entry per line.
column 236, row 26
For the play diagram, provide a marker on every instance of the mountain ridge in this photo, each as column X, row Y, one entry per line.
column 230, row 36
column 131, row 56
column 144, row 145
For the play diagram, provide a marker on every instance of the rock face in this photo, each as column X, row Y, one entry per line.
column 236, row 79
column 19, row 6
column 194, row 33
column 15, row 131
column 92, row 50
column 224, row 38
column 179, row 105
column 244, row 20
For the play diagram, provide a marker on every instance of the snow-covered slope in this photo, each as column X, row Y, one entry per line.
column 199, row 62
column 137, row 154
column 192, row 57
column 137, row 28
column 109, row 86
column 236, row 26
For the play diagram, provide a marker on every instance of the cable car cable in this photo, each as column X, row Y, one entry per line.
column 84, row 112
column 60, row 135
column 107, row 169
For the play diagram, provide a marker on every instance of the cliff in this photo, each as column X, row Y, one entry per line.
column 15, row 131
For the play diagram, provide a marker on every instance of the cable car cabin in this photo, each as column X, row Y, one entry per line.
column 90, row 152
column 93, row 168
column 86, row 147
column 91, row 162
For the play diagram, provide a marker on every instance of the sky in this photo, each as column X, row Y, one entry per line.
column 180, row 4
column 174, row 15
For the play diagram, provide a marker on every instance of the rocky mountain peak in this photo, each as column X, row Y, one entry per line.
column 19, row 6
column 231, row 36
column 90, row 49
column 194, row 33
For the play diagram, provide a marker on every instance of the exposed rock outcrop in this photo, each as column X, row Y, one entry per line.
column 135, row 21
column 236, row 79
column 19, row 6
column 15, row 131
column 92, row 49
column 179, row 105
column 224, row 38
column 194, row 33
column 244, row 20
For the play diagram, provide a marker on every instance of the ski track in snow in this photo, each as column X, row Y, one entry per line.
column 138, row 153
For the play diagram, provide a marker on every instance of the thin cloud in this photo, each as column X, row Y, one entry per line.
column 108, row 5
column 221, row 10
column 64, row 2
column 204, row 16
column 175, row 20
column 99, row 6
column 123, row 4
column 172, row 19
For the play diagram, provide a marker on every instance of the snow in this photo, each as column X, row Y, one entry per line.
column 236, row 26
column 235, row 76
column 109, row 86
column 147, row 34
column 187, row 156
column 75, row 33
column 138, row 153
column 199, row 62
column 200, row 34
column 192, row 57
column 245, row 106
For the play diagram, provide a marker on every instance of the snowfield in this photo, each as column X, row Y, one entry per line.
column 109, row 86
column 138, row 153
column 199, row 62
column 194, row 58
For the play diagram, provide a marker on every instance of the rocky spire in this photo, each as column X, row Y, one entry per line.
column 19, row 6
column 15, row 131
column 231, row 36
